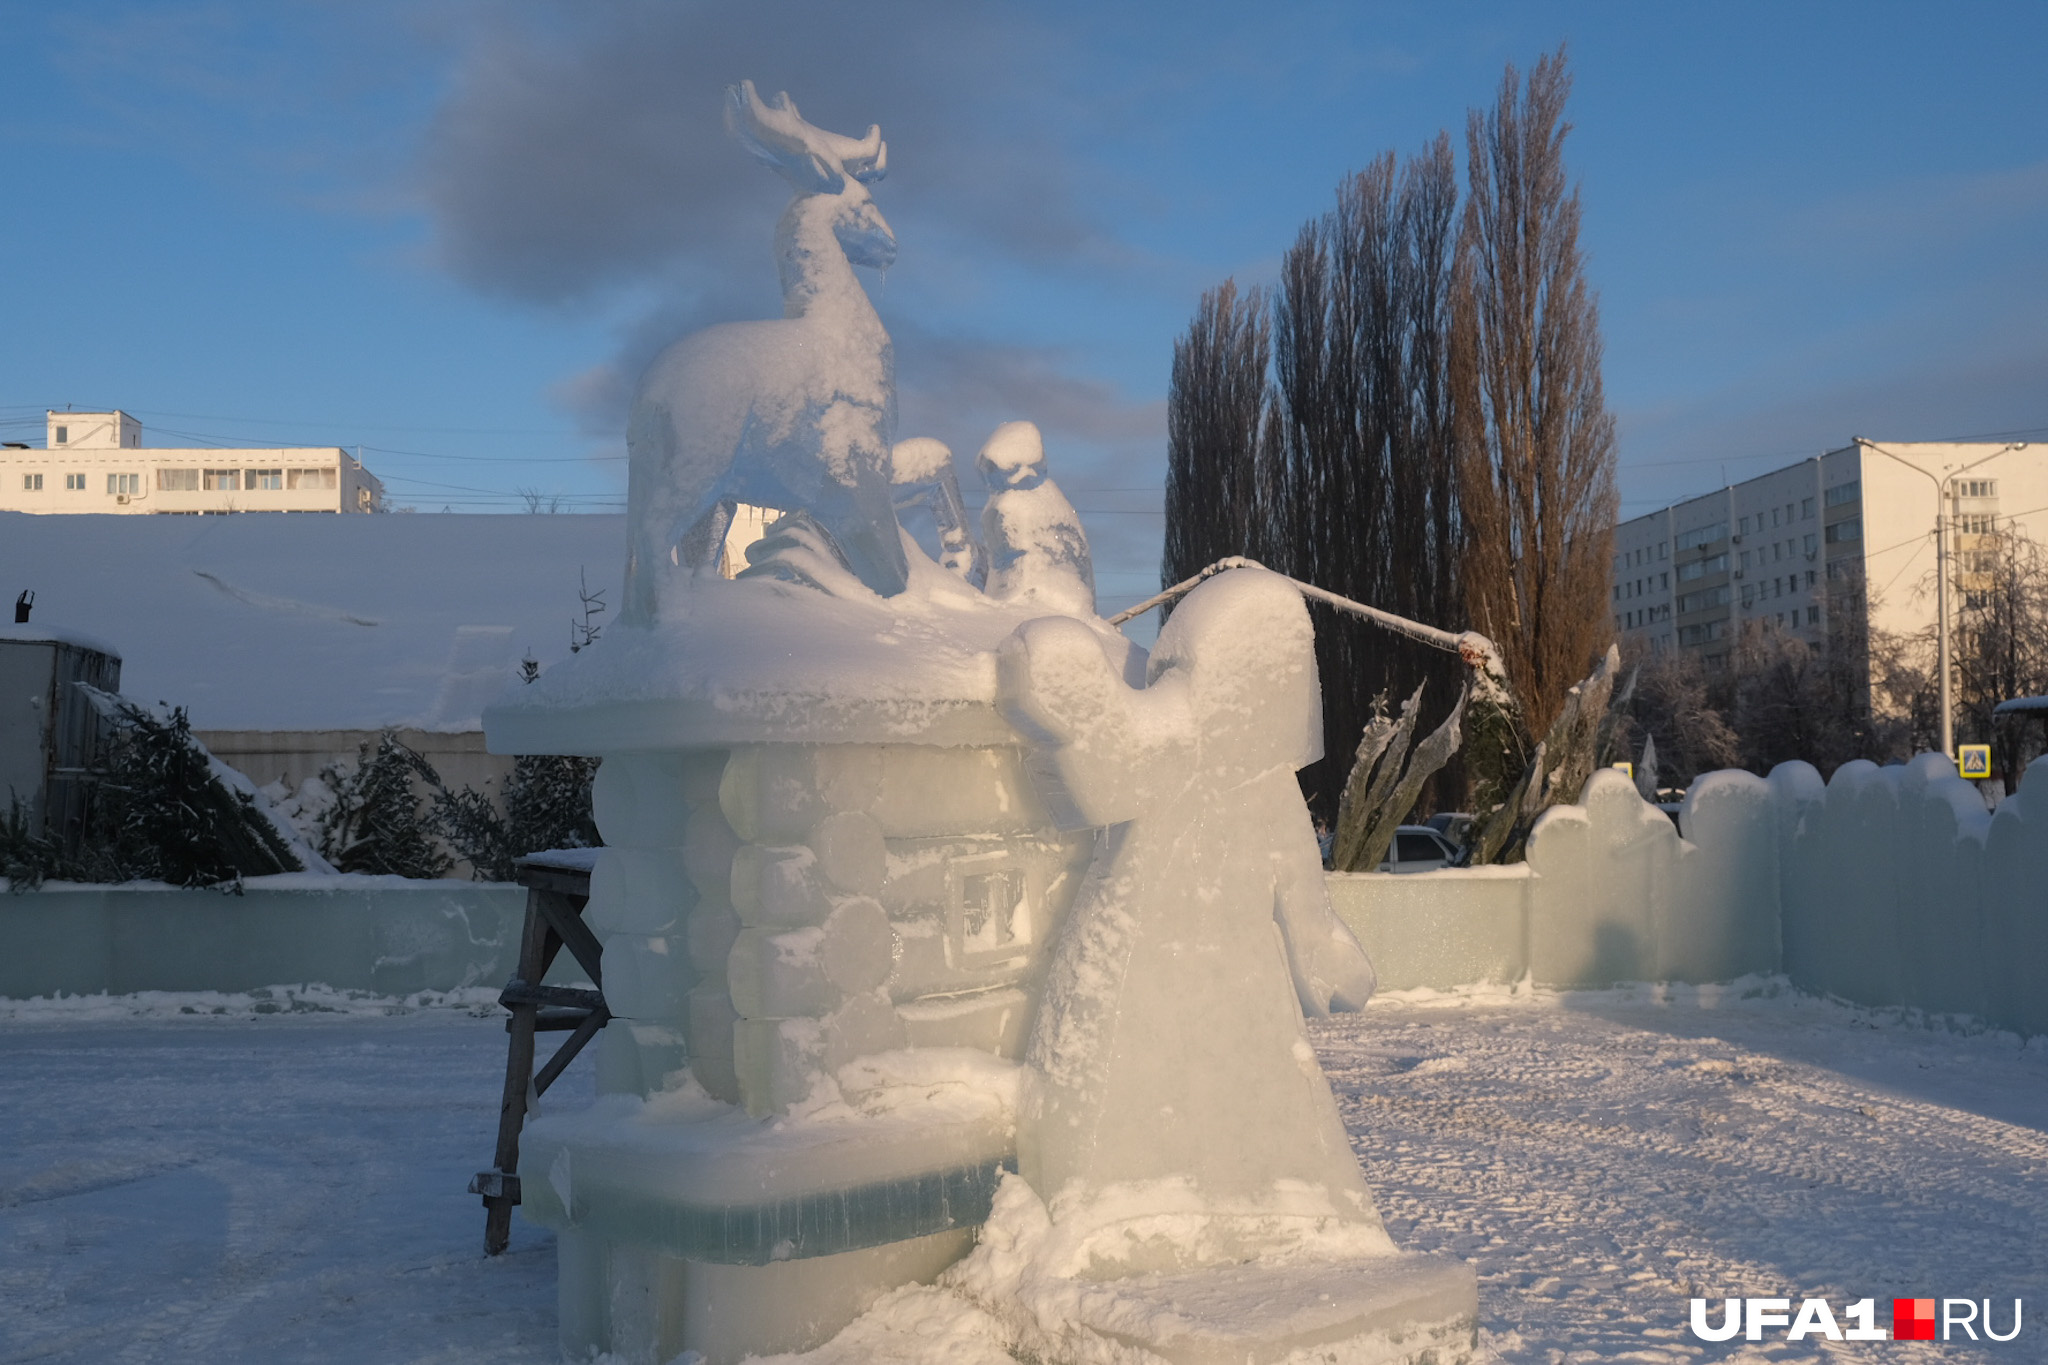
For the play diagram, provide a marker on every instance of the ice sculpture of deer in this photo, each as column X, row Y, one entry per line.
column 794, row 413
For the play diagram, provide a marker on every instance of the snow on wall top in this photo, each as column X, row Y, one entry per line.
column 268, row 621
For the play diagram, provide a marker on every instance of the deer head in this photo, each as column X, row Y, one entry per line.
column 816, row 162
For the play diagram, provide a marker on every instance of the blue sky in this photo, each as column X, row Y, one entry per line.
column 451, row 232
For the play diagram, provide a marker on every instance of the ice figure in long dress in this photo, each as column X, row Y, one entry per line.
column 1176, row 1114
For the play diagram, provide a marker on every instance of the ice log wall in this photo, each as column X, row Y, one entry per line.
column 1885, row 886
column 771, row 913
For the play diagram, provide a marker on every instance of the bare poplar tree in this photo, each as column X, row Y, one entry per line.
column 1338, row 468
column 1218, row 501
column 1535, row 440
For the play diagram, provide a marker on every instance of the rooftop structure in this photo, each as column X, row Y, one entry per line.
column 96, row 462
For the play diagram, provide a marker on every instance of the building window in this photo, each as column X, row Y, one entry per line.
column 74, row 483
column 1774, row 519
column 1742, row 527
column 1806, row 509
column 1844, row 492
column 310, row 478
column 1702, row 535
column 1701, row 567
column 265, row 478
column 223, row 480
column 1843, row 532
column 31, row 483
column 1811, row 578
column 63, row 435
column 1700, row 634
column 1813, row 616
column 1977, row 488
column 178, row 480
column 126, row 485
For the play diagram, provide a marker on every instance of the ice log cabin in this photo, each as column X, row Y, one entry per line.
column 825, row 901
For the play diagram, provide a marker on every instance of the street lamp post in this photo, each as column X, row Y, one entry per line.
column 1941, row 484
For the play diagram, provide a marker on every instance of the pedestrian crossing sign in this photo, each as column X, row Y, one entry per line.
column 1973, row 760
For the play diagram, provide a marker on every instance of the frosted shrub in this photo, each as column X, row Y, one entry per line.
column 377, row 822
column 546, row 804
column 160, row 812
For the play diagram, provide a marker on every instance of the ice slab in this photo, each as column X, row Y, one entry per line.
column 1385, row 1310
column 637, row 1306
column 917, row 1146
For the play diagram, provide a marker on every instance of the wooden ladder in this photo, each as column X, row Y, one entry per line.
column 557, row 890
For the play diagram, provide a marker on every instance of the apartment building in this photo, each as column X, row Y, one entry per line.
column 96, row 462
column 1763, row 552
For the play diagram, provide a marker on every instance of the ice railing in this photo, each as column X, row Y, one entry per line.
column 1884, row 886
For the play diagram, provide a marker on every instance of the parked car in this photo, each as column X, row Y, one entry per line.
column 1455, row 825
column 1418, row 848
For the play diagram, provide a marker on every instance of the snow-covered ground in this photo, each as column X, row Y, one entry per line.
column 283, row 1180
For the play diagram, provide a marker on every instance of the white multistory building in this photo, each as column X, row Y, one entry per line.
column 1764, row 552
column 96, row 462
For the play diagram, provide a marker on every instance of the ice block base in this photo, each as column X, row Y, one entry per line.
column 1397, row 1310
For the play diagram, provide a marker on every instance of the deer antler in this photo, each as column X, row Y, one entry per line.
column 809, row 158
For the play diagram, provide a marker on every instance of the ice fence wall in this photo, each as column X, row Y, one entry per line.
column 385, row 935
column 1885, row 886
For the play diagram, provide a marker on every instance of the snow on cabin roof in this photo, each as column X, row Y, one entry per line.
column 271, row 621
column 32, row 634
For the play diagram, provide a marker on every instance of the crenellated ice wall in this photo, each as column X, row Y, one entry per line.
column 1885, row 886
